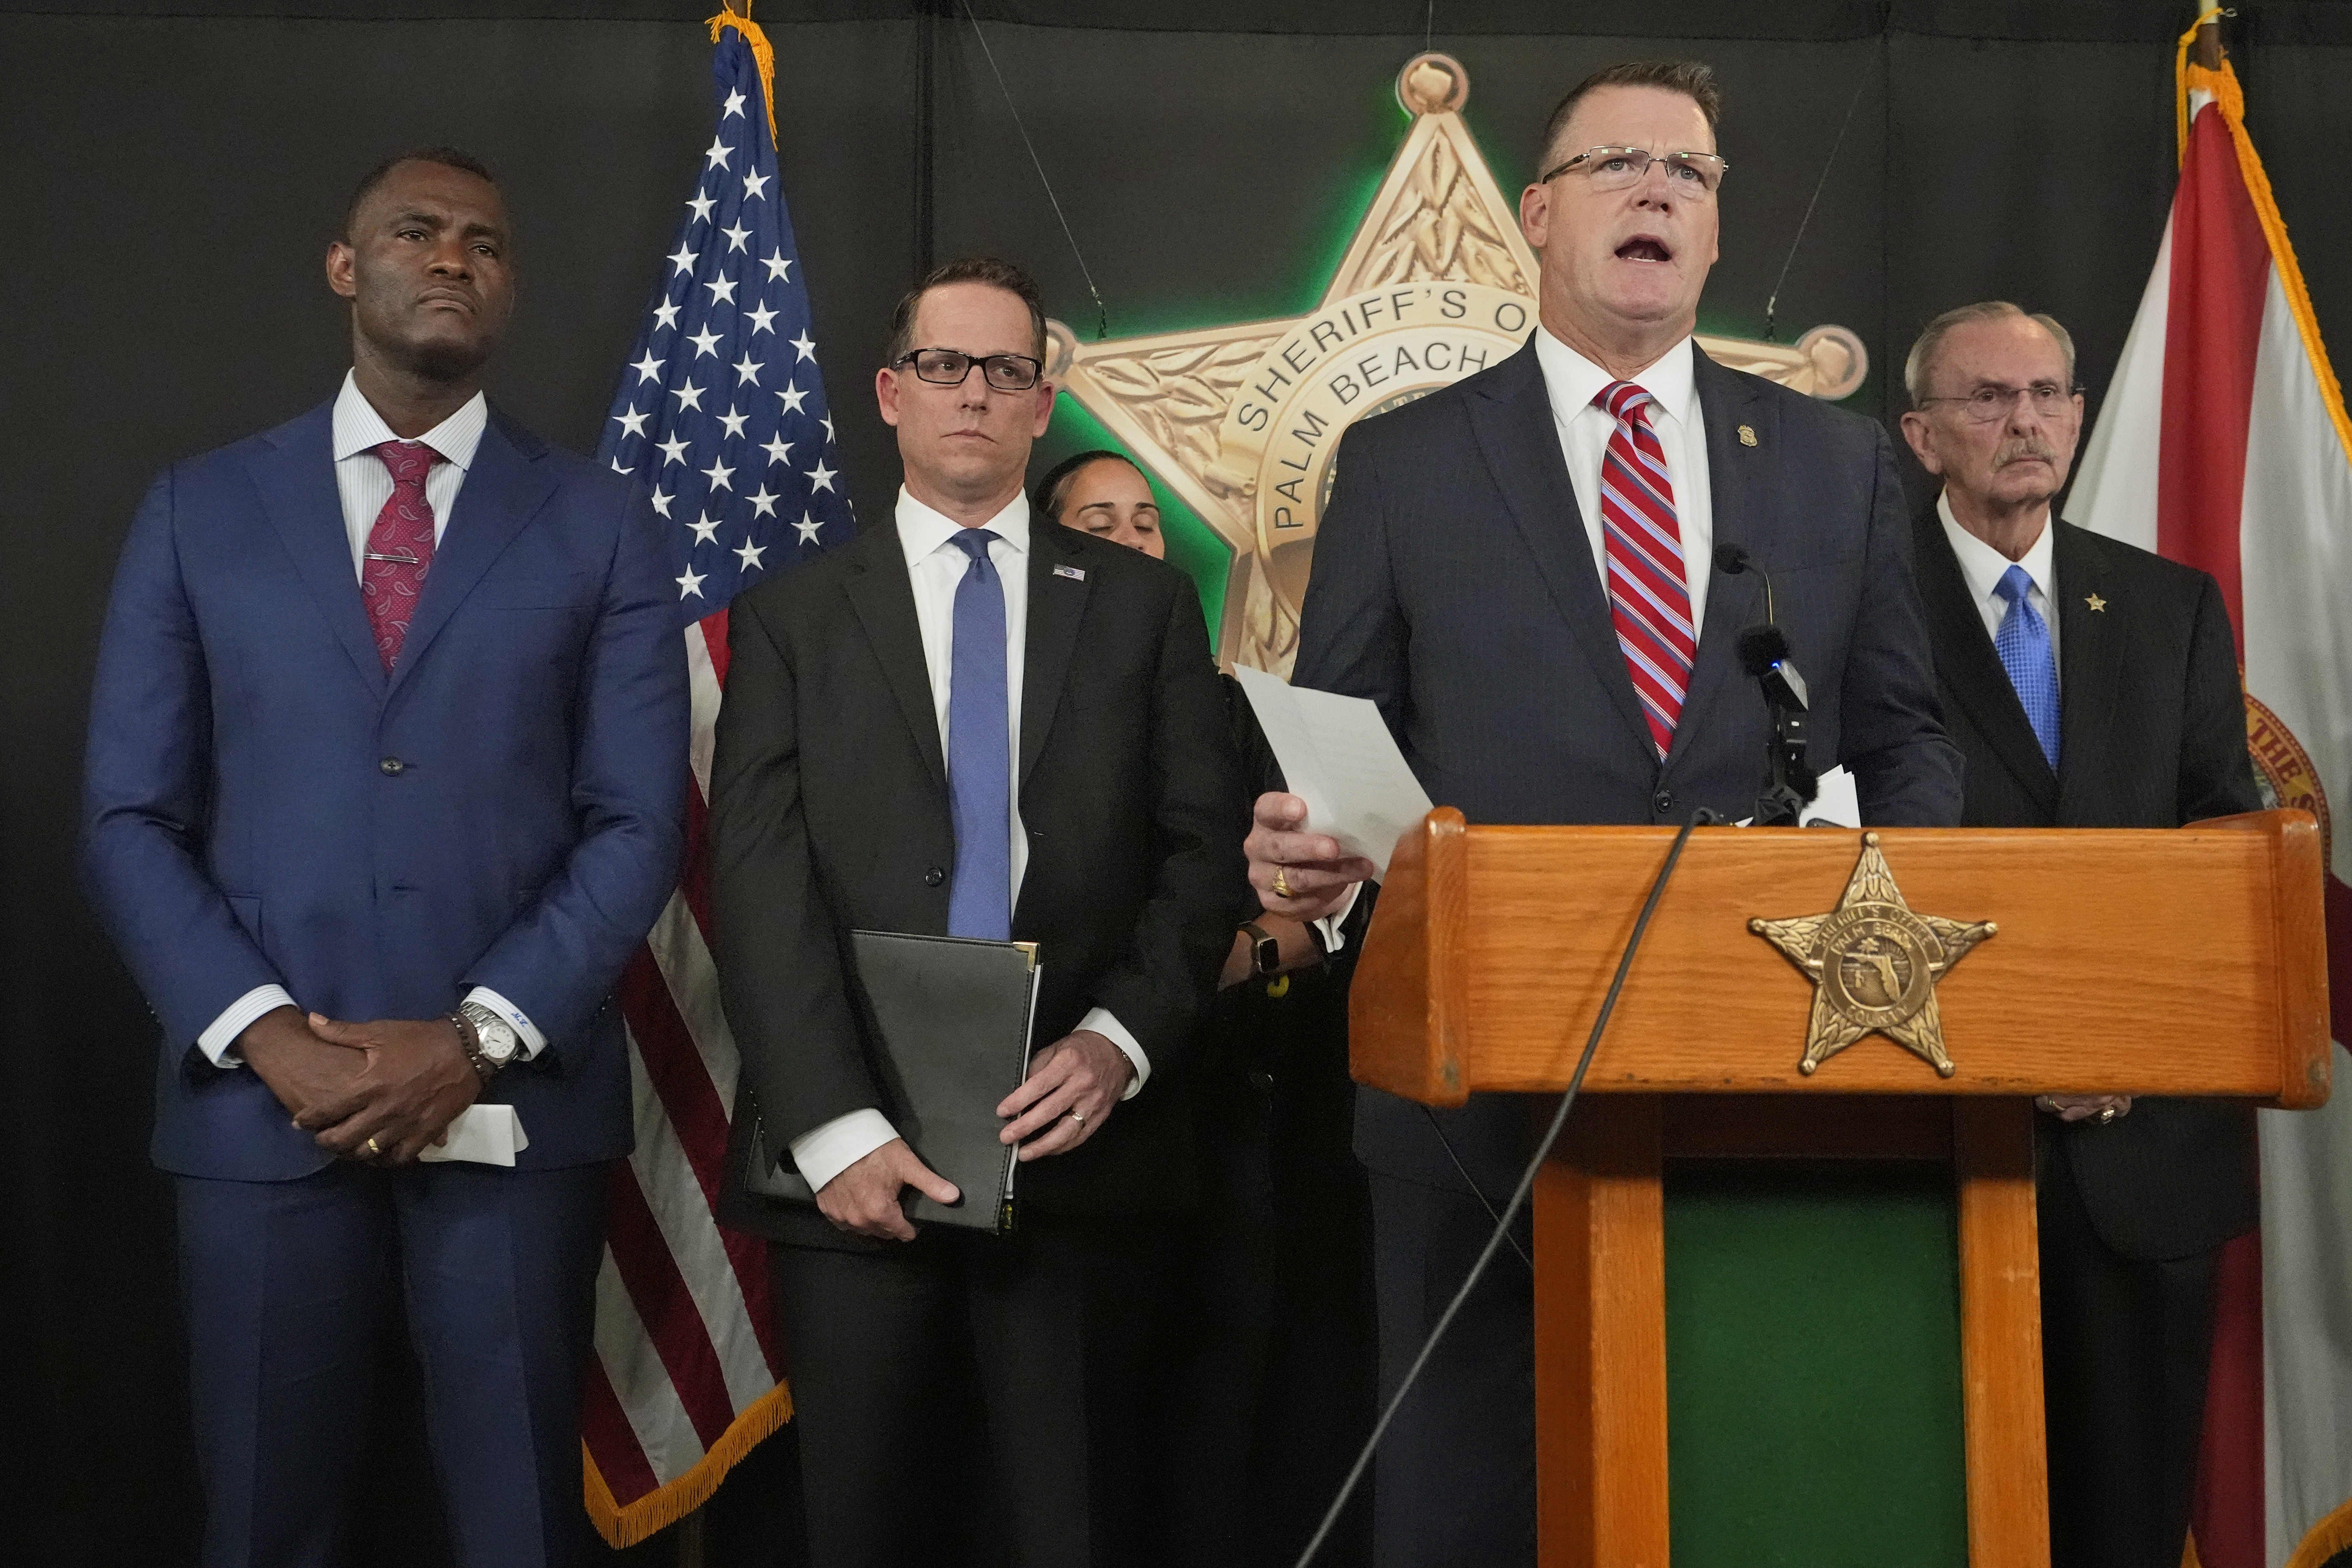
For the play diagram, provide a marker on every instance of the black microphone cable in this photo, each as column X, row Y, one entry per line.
column 1701, row 818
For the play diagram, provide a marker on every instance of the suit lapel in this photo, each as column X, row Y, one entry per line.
column 2090, row 661
column 1513, row 425
column 503, row 492
column 295, row 478
column 1971, row 670
column 1735, row 475
column 1056, row 603
column 882, row 594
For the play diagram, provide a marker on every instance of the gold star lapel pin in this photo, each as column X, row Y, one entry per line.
column 1874, row 964
column 2096, row 604
column 1747, row 436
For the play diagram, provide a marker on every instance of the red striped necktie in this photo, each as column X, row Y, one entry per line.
column 399, row 547
column 1649, row 600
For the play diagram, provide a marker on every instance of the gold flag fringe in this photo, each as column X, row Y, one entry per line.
column 626, row 1524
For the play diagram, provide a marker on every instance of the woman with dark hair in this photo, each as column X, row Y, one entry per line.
column 1269, row 1360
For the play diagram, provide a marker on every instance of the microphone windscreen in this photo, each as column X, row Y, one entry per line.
column 1762, row 648
column 1730, row 560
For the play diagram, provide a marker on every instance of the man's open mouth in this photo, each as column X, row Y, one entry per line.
column 1641, row 248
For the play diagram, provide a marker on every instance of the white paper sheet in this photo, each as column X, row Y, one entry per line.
column 1339, row 758
column 1834, row 802
column 485, row 1135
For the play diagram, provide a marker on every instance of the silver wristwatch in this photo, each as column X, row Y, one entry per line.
column 492, row 1041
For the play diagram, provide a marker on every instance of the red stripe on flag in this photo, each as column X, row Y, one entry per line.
column 675, row 1069
column 2228, row 1521
column 673, row 1322
column 620, row 1458
column 2220, row 274
column 713, row 627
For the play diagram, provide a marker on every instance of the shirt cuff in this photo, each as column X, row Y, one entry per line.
column 1330, row 924
column 824, row 1152
column 1111, row 1030
column 218, row 1042
column 533, row 1042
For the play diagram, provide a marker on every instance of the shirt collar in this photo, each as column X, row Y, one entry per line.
column 1983, row 566
column 1574, row 381
column 922, row 530
column 360, row 428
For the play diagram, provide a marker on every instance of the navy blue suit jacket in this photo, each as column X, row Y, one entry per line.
column 1454, row 585
column 264, row 805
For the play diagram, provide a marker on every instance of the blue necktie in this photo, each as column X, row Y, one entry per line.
column 2024, row 644
column 980, row 752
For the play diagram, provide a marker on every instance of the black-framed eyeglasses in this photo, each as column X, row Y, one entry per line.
column 1617, row 168
column 947, row 367
column 1987, row 403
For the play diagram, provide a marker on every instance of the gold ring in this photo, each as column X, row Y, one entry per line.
column 2108, row 1113
column 1079, row 1117
column 373, row 1152
column 1281, row 883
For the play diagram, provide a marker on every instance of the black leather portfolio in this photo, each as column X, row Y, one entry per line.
column 948, row 1022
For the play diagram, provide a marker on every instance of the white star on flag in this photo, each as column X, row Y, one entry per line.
column 706, row 528
column 733, row 421
column 760, row 316
column 748, row 369
column 820, row 477
column 806, row 344
column 705, row 341
column 648, row 368
column 702, row 204
column 807, row 527
column 721, row 476
column 793, row 396
column 673, row 450
column 682, row 258
column 719, row 153
column 690, row 582
column 633, row 423
column 736, row 236
column 780, row 267
column 734, row 106
column 721, row 289
column 751, row 553
column 688, row 396
column 763, row 503
column 755, row 187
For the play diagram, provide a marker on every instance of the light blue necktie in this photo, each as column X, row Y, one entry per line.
column 980, row 752
column 2024, row 644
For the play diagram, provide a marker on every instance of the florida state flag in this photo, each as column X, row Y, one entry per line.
column 2223, row 443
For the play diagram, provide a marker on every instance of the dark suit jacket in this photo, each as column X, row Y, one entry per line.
column 265, row 806
column 2151, row 734
column 1454, row 586
column 829, row 813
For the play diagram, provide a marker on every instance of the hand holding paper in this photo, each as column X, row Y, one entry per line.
column 1339, row 759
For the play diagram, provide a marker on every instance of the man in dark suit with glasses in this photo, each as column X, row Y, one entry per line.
column 971, row 722
column 1519, row 570
column 2089, row 684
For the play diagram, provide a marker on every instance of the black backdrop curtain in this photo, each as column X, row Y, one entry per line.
column 172, row 170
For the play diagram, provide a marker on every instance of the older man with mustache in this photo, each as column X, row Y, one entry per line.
column 2089, row 684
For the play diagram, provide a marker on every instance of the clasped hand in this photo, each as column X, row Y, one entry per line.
column 1073, row 1085
column 397, row 1081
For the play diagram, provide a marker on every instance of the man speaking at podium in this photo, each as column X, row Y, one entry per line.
column 1519, row 570
column 2089, row 684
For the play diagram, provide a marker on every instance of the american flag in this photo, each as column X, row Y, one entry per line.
column 722, row 417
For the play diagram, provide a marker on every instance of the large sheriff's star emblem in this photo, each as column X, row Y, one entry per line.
column 1242, row 421
column 1873, row 964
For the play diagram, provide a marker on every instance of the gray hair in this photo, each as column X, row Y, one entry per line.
column 1923, row 353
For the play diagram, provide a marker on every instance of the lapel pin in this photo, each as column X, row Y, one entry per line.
column 1748, row 435
column 2096, row 602
column 1074, row 574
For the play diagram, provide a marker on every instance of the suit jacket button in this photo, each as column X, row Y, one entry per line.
column 1663, row 802
column 390, row 766
column 934, row 877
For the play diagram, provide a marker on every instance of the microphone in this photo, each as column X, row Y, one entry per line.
column 1764, row 654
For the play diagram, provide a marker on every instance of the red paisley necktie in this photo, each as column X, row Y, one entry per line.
column 1649, row 596
column 399, row 547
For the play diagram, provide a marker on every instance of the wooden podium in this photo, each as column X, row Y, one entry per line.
column 2188, row 962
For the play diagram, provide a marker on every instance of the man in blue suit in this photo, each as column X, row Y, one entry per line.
column 389, row 724
column 1519, row 570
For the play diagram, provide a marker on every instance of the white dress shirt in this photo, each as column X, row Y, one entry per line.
column 364, row 484
column 1983, row 567
column 1571, row 381
column 935, row 566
